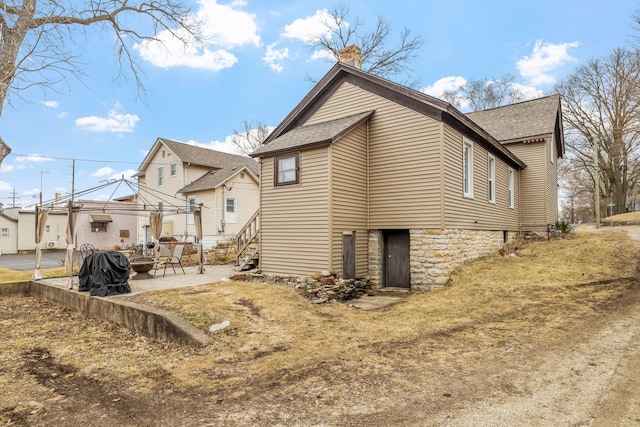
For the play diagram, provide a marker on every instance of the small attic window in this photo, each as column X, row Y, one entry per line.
column 241, row 175
column 162, row 153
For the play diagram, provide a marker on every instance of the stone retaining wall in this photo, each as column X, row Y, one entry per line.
column 435, row 253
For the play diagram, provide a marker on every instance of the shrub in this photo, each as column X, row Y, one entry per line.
column 563, row 227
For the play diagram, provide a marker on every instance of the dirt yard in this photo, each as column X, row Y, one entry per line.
column 550, row 336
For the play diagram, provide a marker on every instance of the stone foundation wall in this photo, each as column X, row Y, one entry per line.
column 435, row 253
column 375, row 259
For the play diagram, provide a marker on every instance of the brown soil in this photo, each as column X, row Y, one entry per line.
column 531, row 354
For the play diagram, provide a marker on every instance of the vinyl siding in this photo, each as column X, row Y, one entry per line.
column 534, row 186
column 295, row 218
column 244, row 189
column 476, row 213
column 404, row 159
column 246, row 192
column 349, row 196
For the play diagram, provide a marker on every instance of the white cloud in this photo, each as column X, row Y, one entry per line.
column 451, row 83
column 62, row 115
column 126, row 174
column 50, row 104
column 5, row 186
column 105, row 171
column 544, row 59
column 114, row 122
column 7, row 167
column 305, row 28
column 222, row 27
column 225, row 146
column 323, row 54
column 274, row 57
column 35, row 158
column 529, row 92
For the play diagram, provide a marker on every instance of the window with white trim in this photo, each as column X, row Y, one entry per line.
column 510, row 183
column 191, row 207
column 160, row 206
column 4, row 233
column 230, row 210
column 160, row 176
column 173, row 169
column 491, row 176
column 467, row 167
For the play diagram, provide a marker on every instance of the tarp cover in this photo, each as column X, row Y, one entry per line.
column 105, row 273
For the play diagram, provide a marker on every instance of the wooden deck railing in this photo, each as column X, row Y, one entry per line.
column 248, row 241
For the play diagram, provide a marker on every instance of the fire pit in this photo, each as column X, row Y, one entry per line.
column 142, row 266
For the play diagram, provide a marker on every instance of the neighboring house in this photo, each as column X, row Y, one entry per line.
column 25, row 236
column 366, row 177
column 101, row 224
column 105, row 225
column 176, row 177
column 8, row 234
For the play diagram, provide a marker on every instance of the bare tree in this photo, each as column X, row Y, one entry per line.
column 37, row 37
column 250, row 137
column 485, row 93
column 378, row 57
column 577, row 184
column 601, row 100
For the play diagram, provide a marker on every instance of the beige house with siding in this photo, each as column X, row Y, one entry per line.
column 176, row 177
column 366, row 177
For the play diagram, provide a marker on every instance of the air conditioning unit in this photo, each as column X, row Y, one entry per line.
column 51, row 244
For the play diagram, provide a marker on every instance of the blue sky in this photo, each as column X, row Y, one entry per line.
column 255, row 68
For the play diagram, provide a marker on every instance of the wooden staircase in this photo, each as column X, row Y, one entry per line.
column 249, row 244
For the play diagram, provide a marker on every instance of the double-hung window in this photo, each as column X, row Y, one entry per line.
column 491, row 183
column 173, row 169
column 191, row 207
column 467, row 168
column 287, row 169
column 160, row 176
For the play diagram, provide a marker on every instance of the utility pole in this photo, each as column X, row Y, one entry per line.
column 596, row 173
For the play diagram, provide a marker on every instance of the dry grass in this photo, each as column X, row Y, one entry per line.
column 629, row 216
column 464, row 339
column 531, row 298
column 7, row 275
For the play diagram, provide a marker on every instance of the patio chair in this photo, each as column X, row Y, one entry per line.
column 173, row 260
column 86, row 249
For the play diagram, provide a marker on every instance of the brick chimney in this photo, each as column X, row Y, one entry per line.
column 351, row 55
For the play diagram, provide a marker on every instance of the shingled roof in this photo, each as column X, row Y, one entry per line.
column 200, row 156
column 525, row 121
column 407, row 97
column 314, row 134
column 215, row 178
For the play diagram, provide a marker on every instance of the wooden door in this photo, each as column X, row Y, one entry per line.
column 396, row 262
column 349, row 256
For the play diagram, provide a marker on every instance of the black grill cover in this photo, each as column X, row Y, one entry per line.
column 105, row 273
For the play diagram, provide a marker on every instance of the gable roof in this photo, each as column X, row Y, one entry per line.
column 407, row 97
column 314, row 134
column 526, row 121
column 215, row 178
column 199, row 156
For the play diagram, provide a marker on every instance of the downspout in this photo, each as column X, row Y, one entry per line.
column 222, row 223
